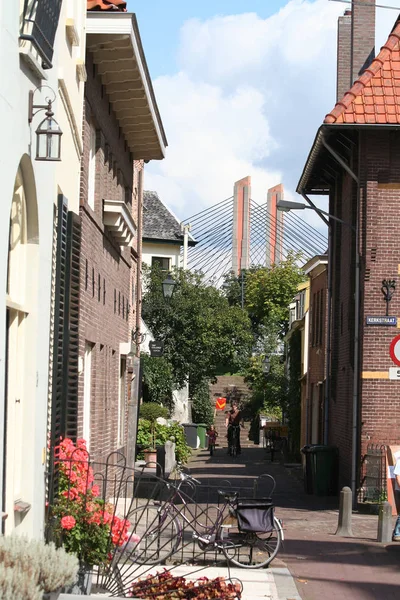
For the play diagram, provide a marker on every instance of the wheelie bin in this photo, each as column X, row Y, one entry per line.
column 201, row 432
column 321, row 469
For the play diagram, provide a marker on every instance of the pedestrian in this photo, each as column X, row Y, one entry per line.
column 212, row 436
column 396, row 530
column 234, row 421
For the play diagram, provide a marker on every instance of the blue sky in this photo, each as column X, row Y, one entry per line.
column 160, row 22
column 242, row 87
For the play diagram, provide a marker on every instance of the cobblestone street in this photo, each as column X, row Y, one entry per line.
column 321, row 564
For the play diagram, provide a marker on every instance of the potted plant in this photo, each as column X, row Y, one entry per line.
column 32, row 569
column 151, row 411
column 84, row 523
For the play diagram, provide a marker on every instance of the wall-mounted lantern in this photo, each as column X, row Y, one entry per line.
column 48, row 133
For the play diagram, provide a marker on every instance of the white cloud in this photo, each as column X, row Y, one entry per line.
column 248, row 100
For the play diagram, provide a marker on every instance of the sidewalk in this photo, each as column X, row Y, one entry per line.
column 322, row 565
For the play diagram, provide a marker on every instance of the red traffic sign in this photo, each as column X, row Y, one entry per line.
column 395, row 350
column 220, row 403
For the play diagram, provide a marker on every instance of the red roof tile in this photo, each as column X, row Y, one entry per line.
column 119, row 5
column 373, row 95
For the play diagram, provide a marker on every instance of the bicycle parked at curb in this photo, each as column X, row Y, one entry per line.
column 245, row 531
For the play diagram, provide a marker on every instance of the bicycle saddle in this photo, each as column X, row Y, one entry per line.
column 229, row 496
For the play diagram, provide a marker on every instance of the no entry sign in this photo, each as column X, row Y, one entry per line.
column 395, row 350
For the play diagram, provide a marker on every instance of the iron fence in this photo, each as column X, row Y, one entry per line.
column 39, row 26
column 373, row 486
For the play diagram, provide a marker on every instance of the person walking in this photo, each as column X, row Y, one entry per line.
column 396, row 530
column 233, row 422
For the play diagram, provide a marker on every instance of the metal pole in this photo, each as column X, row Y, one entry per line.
column 242, row 288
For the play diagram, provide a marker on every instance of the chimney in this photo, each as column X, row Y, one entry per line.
column 356, row 44
column 343, row 55
column 362, row 37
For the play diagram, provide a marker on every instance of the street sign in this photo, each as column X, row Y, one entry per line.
column 156, row 348
column 220, row 403
column 394, row 373
column 394, row 350
column 388, row 321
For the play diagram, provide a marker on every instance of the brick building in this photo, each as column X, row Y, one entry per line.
column 314, row 426
column 355, row 160
column 122, row 129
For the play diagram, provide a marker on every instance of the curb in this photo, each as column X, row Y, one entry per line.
column 285, row 584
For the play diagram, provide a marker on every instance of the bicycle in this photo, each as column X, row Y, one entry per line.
column 246, row 541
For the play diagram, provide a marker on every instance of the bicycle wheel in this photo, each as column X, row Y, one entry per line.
column 159, row 535
column 247, row 549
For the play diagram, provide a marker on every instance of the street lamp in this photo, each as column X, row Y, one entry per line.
column 168, row 286
column 266, row 366
column 286, row 205
column 48, row 133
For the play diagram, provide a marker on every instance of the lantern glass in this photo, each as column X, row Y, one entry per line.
column 48, row 135
column 168, row 286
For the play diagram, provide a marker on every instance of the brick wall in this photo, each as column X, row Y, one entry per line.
column 317, row 349
column 379, row 212
column 343, row 82
column 362, row 36
column 108, row 295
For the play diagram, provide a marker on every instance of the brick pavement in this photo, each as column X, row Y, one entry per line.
column 322, row 565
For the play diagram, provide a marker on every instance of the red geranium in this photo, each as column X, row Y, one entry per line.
column 68, row 522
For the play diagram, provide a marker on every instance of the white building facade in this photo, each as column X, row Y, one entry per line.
column 43, row 49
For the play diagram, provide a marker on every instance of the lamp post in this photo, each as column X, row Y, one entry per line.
column 286, row 205
column 266, row 366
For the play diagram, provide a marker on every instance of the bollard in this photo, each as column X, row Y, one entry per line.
column 345, row 513
column 385, row 523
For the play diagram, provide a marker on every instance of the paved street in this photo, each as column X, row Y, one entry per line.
column 322, row 565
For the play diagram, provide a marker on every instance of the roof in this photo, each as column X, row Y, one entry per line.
column 113, row 41
column 106, row 5
column 375, row 96
column 159, row 223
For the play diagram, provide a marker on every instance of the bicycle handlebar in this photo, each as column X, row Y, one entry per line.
column 187, row 477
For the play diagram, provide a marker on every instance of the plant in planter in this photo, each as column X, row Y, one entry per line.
column 170, row 587
column 31, row 569
column 151, row 411
column 85, row 524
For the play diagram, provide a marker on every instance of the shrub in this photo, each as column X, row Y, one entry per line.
column 32, row 565
column 163, row 433
column 151, row 411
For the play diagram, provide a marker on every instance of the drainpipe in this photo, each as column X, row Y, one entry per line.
column 356, row 375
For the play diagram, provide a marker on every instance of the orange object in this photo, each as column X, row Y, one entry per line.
column 220, row 403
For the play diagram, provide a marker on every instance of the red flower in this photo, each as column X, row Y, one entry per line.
column 68, row 522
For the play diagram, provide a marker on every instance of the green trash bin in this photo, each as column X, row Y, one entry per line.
column 202, row 434
column 324, row 466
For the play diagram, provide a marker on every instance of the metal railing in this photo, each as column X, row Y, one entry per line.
column 373, row 474
column 39, row 26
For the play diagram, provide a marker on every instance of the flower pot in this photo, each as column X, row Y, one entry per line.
column 150, row 456
column 83, row 584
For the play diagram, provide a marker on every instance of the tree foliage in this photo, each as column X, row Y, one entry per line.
column 200, row 330
column 158, row 380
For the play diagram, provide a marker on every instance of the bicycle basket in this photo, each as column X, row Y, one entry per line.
column 255, row 515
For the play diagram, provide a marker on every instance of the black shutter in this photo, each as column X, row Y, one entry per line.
column 64, row 402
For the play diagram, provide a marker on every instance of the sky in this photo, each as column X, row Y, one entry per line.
column 242, row 87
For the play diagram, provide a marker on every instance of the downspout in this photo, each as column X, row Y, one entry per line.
column 356, row 376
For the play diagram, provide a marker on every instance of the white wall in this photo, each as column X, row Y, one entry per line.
column 171, row 251
column 43, row 180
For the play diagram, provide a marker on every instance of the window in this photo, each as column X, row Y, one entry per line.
column 92, row 166
column 104, row 291
column 93, row 283
column 99, row 288
column 122, row 402
column 87, row 385
column 163, row 262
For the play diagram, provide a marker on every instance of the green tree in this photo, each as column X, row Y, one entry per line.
column 158, row 380
column 269, row 292
column 200, row 330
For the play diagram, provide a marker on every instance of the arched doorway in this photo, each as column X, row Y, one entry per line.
column 21, row 319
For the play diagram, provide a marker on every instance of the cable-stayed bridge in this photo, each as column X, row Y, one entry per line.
column 238, row 233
